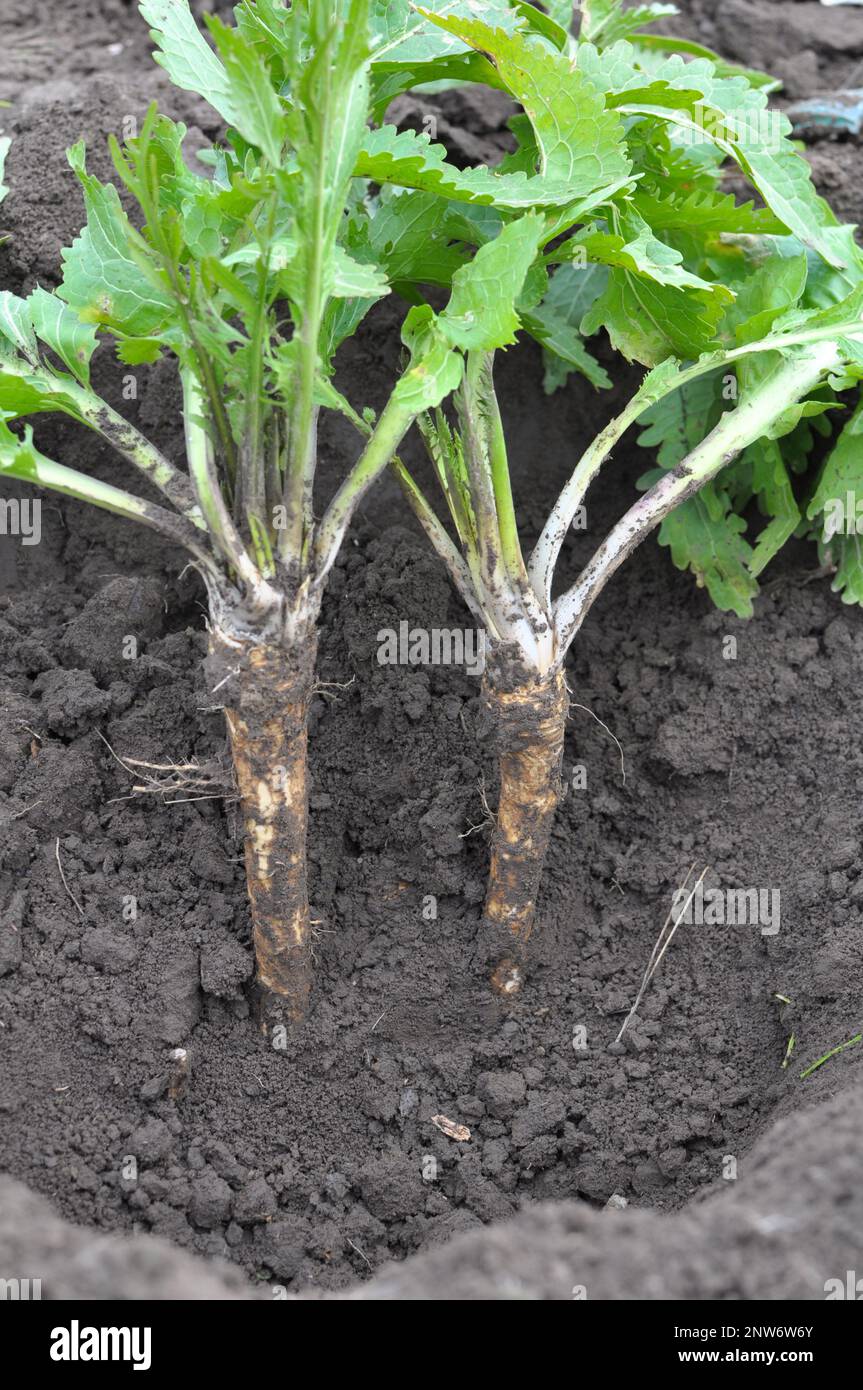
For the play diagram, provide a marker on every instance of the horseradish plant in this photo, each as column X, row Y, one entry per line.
column 252, row 276
column 750, row 323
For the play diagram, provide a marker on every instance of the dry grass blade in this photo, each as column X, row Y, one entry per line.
column 663, row 941
column 63, row 877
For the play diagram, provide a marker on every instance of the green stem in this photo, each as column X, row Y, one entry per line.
column 224, row 533
column 24, row 462
column 465, row 581
column 473, row 414
column 142, row 454
column 294, row 540
column 393, row 424
column 507, row 524
column 253, row 465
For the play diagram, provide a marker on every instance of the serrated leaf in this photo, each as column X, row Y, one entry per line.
column 665, row 43
column 710, row 212
column 633, row 246
column 353, row 279
column 770, row 291
column 136, row 351
column 606, row 21
column 482, row 313
column 706, row 537
column 186, row 56
column 837, row 505
column 411, row 235
column 844, row 555
column 413, row 161
column 18, row 396
column 257, row 111
column 326, row 126
column 652, row 306
column 16, row 325
column 60, row 329
column 704, row 534
column 103, row 280
column 565, row 348
column 732, row 115
column 680, row 421
column 563, row 12
column 580, row 142
column 841, row 475
column 772, row 486
column 571, row 292
column 648, row 322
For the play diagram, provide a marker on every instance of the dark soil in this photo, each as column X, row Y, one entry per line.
column 124, row 927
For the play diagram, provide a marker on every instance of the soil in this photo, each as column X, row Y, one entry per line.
column 124, row 930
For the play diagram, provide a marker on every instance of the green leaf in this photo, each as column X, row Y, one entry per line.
column 186, row 56
column 20, row 395
column 544, row 21
column 59, row 327
column 603, row 22
column 634, row 247
column 704, row 534
column 435, row 369
column 596, row 15
column 326, row 126
column 563, row 12
column 136, row 351
column 410, row 235
column 681, row 420
column 555, row 324
column 708, row 212
column 664, row 43
column 652, row 306
column 412, row 161
column 565, row 350
column 353, row 279
column 16, row 325
column 410, row 50
column 733, row 116
column 106, row 276
column 580, row 142
column 481, row 313
column 838, row 505
column 648, row 321
column 258, row 114
column 770, row 291
column 772, row 486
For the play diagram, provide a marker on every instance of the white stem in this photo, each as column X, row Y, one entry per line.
column 545, row 554
column 792, row 379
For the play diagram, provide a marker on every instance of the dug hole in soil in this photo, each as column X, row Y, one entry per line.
column 125, row 927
